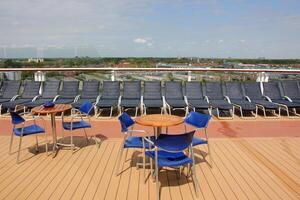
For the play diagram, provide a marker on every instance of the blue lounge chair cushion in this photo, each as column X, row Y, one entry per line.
column 176, row 103
column 288, row 103
column 76, row 125
column 221, row 104
column 130, row 103
column 198, row 141
column 12, row 104
column 153, row 103
column 198, row 103
column 4, row 100
column 248, row 106
column 136, row 142
column 38, row 102
column 64, row 101
column 266, row 104
column 29, row 130
column 107, row 103
column 168, row 159
column 78, row 103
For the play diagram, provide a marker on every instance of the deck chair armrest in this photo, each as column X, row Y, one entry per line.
column 206, row 98
column 36, row 97
column 288, row 98
column 186, row 100
column 145, row 139
column 119, row 100
column 76, row 98
column 248, row 98
column 267, row 98
column 227, row 99
column 55, row 98
column 15, row 97
column 98, row 99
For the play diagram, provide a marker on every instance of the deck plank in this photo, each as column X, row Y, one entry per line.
column 243, row 168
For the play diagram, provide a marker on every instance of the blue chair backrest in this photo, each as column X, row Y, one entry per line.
column 197, row 119
column 174, row 143
column 126, row 121
column 16, row 118
column 86, row 107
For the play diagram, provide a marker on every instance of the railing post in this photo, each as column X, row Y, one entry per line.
column 39, row 76
column 113, row 75
column 189, row 76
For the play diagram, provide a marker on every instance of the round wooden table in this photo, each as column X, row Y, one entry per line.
column 158, row 121
column 57, row 108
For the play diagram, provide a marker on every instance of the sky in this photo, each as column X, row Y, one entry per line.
column 150, row 28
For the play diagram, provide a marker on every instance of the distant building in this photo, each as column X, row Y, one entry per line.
column 36, row 60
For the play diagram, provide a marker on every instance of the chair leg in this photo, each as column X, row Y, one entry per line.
column 111, row 111
column 195, row 180
column 18, row 157
column 11, row 142
column 36, row 144
column 119, row 157
column 86, row 137
column 46, row 140
column 157, row 182
column 72, row 144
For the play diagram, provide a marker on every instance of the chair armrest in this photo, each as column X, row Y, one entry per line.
column 98, row 99
column 267, row 98
column 55, row 98
column 186, row 100
column 36, row 97
column 145, row 139
column 227, row 99
column 248, row 98
column 206, row 98
column 119, row 100
column 288, row 98
column 77, row 97
column 15, row 97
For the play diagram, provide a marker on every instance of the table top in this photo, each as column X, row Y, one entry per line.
column 158, row 120
column 57, row 108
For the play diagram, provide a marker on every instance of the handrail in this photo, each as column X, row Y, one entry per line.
column 162, row 69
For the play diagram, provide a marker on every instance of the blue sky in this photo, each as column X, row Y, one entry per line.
column 159, row 28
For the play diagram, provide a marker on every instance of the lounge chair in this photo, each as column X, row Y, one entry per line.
column 30, row 93
column 10, row 90
column 235, row 92
column 291, row 90
column 194, row 96
column 217, row 99
column 131, row 98
column 152, row 96
column 273, row 91
column 90, row 92
column 49, row 93
column 174, row 98
column 69, row 92
column 109, row 98
column 254, row 94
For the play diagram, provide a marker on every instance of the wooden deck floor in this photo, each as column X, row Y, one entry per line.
column 252, row 168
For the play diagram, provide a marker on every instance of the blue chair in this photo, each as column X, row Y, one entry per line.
column 85, row 110
column 21, row 129
column 199, row 121
column 169, row 151
column 129, row 141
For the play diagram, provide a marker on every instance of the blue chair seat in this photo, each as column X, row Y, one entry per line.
column 136, row 142
column 76, row 125
column 28, row 130
column 168, row 159
column 198, row 141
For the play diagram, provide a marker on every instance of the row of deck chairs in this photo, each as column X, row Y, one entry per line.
column 220, row 98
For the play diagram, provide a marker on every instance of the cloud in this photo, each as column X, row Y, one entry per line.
column 220, row 41
column 145, row 41
column 140, row 40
